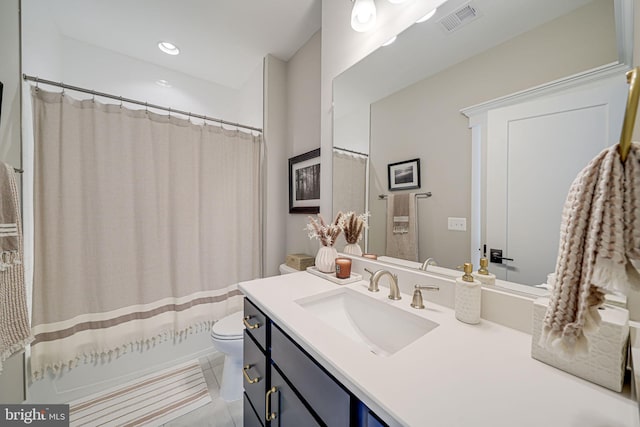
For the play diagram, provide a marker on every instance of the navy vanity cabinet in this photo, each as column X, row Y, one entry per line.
column 255, row 365
column 286, row 387
column 327, row 398
column 249, row 417
column 254, row 372
column 286, row 405
column 255, row 323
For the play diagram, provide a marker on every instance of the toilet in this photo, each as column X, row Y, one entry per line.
column 227, row 338
column 226, row 335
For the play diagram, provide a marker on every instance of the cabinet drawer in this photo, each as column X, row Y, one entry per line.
column 289, row 410
column 328, row 399
column 255, row 368
column 249, row 417
column 255, row 323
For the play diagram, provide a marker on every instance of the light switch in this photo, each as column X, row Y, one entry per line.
column 457, row 224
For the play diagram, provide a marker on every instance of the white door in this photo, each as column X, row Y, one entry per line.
column 534, row 152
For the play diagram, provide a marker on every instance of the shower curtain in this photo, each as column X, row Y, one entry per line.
column 349, row 181
column 144, row 224
column 349, row 184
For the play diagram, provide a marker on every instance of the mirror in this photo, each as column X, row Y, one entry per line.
column 403, row 102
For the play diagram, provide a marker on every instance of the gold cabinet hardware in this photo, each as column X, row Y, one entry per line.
column 246, row 375
column 245, row 320
column 267, row 403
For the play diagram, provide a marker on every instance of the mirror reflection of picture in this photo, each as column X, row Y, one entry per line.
column 304, row 183
column 404, row 175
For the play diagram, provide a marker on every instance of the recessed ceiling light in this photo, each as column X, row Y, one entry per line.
column 163, row 83
column 169, row 48
column 391, row 40
column 427, row 16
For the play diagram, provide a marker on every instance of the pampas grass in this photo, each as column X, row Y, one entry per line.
column 353, row 226
column 327, row 234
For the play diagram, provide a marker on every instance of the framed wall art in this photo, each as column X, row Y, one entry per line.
column 404, row 175
column 304, row 183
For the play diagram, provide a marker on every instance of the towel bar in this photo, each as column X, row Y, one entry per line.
column 419, row 195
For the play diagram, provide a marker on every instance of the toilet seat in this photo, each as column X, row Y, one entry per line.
column 228, row 328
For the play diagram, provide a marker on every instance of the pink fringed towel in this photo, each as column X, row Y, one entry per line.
column 15, row 333
column 599, row 248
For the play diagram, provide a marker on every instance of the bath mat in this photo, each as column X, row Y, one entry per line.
column 148, row 401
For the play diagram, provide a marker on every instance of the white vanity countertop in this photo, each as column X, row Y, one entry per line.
column 456, row 375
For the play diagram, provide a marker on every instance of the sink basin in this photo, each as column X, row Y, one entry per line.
column 378, row 325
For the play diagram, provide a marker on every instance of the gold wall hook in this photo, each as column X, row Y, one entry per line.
column 630, row 114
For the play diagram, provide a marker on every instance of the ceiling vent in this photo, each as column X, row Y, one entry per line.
column 459, row 18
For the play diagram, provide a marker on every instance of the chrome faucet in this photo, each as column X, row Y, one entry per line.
column 429, row 261
column 394, row 290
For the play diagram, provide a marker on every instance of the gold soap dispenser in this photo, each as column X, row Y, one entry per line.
column 468, row 294
column 482, row 275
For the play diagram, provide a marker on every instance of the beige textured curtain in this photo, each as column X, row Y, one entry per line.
column 349, row 185
column 144, row 224
column 349, row 181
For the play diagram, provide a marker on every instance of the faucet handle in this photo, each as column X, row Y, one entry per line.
column 427, row 287
column 417, row 301
column 373, row 285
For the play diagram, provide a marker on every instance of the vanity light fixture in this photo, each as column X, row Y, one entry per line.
column 163, row 83
column 427, row 16
column 168, row 48
column 363, row 15
column 391, row 40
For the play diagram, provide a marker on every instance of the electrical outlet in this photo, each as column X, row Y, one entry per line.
column 457, row 224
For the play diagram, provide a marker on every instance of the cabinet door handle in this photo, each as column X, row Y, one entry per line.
column 246, row 375
column 267, row 403
column 245, row 320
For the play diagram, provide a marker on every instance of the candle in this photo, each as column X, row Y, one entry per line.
column 343, row 268
column 370, row 256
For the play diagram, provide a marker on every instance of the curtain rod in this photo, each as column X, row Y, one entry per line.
column 133, row 101
column 418, row 195
column 350, row 151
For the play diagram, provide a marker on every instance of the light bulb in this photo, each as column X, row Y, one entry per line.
column 363, row 15
column 169, row 48
column 427, row 16
column 397, row 1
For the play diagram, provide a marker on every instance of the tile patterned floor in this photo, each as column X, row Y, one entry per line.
column 218, row 413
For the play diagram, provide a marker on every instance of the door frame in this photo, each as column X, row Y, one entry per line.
column 478, row 124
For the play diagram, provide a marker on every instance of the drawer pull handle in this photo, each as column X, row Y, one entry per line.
column 269, row 415
column 245, row 320
column 246, row 375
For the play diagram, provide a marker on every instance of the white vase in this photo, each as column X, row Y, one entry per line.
column 326, row 259
column 353, row 249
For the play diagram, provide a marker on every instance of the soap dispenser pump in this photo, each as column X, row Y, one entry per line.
column 482, row 275
column 468, row 294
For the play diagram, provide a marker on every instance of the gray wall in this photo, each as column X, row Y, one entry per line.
column 275, row 105
column 424, row 121
column 303, row 130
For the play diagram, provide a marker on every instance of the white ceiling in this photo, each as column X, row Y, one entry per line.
column 222, row 41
